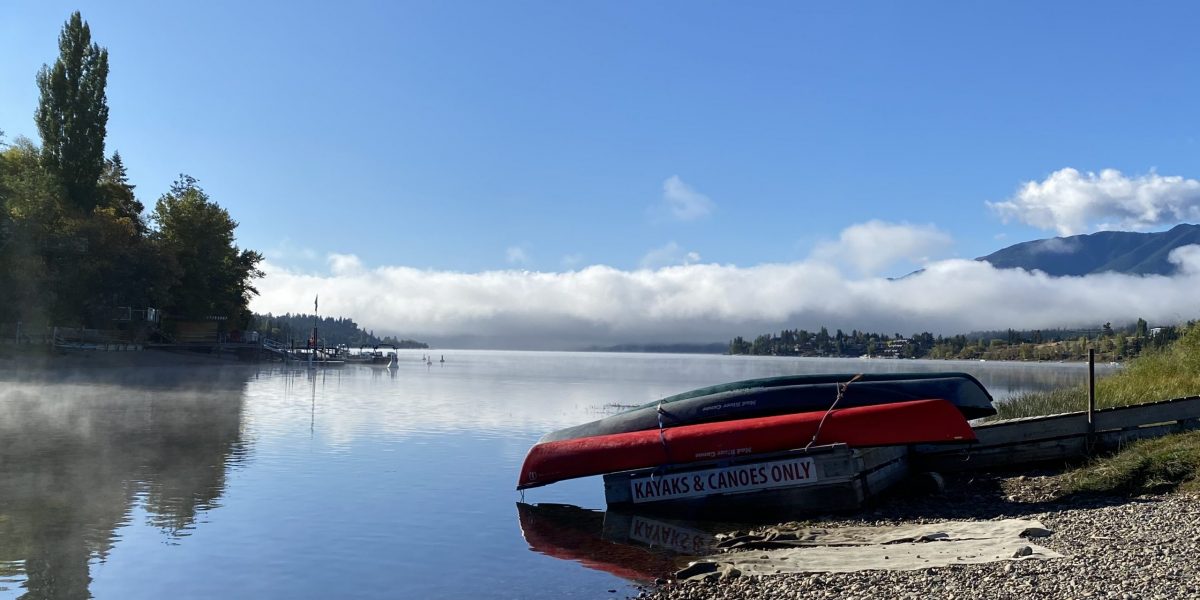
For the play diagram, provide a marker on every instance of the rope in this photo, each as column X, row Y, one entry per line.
column 841, row 391
column 662, row 435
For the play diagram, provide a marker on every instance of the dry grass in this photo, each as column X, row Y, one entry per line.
column 1148, row 466
column 1173, row 372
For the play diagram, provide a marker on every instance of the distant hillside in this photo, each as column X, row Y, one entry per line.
column 1119, row 251
column 337, row 331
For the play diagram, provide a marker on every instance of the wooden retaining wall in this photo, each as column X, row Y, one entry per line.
column 1064, row 437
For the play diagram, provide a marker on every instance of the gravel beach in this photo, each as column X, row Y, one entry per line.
column 1114, row 547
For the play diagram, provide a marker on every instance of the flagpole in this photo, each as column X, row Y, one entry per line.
column 313, row 352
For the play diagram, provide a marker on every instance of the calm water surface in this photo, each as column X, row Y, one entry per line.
column 284, row 483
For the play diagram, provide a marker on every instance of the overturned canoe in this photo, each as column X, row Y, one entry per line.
column 785, row 395
column 896, row 423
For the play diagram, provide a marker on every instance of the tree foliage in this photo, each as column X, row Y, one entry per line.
column 116, row 192
column 74, row 244
column 333, row 331
column 211, row 276
column 1047, row 345
column 72, row 112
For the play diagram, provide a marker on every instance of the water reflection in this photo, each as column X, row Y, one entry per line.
column 632, row 546
column 77, row 456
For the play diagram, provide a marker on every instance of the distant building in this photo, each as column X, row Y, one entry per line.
column 893, row 348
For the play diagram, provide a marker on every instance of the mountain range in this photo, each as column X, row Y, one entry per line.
column 1117, row 251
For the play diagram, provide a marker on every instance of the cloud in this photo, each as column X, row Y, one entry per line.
column 344, row 265
column 668, row 255
column 684, row 203
column 1056, row 246
column 710, row 302
column 516, row 255
column 872, row 246
column 286, row 251
column 1071, row 202
column 1186, row 259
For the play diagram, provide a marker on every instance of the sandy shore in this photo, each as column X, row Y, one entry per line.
column 1147, row 547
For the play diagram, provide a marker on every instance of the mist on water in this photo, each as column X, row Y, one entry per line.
column 81, row 450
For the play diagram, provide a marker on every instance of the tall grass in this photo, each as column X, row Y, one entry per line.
column 1173, row 372
column 1147, row 466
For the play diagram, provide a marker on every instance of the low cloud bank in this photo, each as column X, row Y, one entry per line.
column 711, row 302
column 1071, row 202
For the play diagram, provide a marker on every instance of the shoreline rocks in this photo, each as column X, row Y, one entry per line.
column 1114, row 547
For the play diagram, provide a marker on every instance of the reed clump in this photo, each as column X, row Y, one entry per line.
column 1172, row 372
column 1148, row 466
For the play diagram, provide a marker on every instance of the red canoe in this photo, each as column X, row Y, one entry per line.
column 899, row 423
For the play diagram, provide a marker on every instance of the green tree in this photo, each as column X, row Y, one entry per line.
column 116, row 193
column 72, row 112
column 211, row 276
column 33, row 239
column 1142, row 329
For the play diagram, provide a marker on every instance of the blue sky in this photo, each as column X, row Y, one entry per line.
column 454, row 137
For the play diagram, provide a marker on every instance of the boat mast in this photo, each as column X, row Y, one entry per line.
column 313, row 351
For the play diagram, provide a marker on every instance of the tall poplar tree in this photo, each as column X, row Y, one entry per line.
column 72, row 113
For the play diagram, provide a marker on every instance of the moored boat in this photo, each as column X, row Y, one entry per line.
column 895, row 423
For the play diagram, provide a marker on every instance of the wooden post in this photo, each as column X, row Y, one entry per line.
column 1091, row 390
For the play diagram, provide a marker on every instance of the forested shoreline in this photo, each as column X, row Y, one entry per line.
column 334, row 331
column 1111, row 344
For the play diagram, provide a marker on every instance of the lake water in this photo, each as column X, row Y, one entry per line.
column 273, row 482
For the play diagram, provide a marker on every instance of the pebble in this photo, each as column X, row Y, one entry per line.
column 1113, row 547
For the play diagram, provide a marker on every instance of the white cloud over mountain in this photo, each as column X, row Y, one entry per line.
column 1071, row 202
column 711, row 302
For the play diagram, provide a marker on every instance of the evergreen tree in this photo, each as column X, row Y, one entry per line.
column 116, row 193
column 72, row 112
column 1142, row 328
